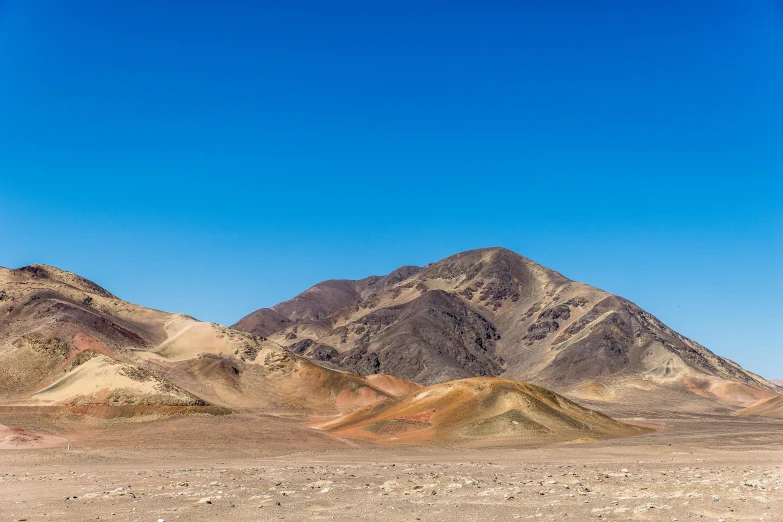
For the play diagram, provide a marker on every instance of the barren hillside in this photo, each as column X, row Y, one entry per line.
column 491, row 312
column 66, row 341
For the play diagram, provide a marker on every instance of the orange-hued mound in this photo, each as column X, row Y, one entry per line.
column 594, row 391
column 393, row 385
column 769, row 408
column 479, row 408
column 726, row 391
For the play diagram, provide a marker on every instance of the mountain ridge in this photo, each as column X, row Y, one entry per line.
column 483, row 313
column 540, row 327
column 69, row 348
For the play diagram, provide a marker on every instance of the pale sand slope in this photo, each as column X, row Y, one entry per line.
column 102, row 380
column 187, row 338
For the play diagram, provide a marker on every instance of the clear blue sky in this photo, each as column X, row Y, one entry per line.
column 212, row 159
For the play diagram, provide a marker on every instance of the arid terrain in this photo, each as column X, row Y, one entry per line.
column 493, row 312
column 480, row 387
column 252, row 467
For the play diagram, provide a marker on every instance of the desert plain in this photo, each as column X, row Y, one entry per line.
column 249, row 466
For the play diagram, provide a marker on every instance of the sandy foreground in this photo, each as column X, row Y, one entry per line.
column 257, row 467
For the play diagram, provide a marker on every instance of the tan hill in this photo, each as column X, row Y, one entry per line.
column 393, row 385
column 492, row 312
column 480, row 408
column 766, row 408
column 65, row 341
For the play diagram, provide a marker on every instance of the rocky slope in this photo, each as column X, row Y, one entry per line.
column 491, row 312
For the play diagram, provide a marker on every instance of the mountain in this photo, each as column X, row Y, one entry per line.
column 494, row 313
column 69, row 348
column 478, row 408
column 65, row 341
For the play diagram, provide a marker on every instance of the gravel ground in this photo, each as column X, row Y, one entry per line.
column 710, row 468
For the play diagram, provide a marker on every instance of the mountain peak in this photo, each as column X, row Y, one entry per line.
column 53, row 274
column 493, row 312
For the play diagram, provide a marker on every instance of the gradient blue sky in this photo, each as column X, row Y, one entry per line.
column 215, row 157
